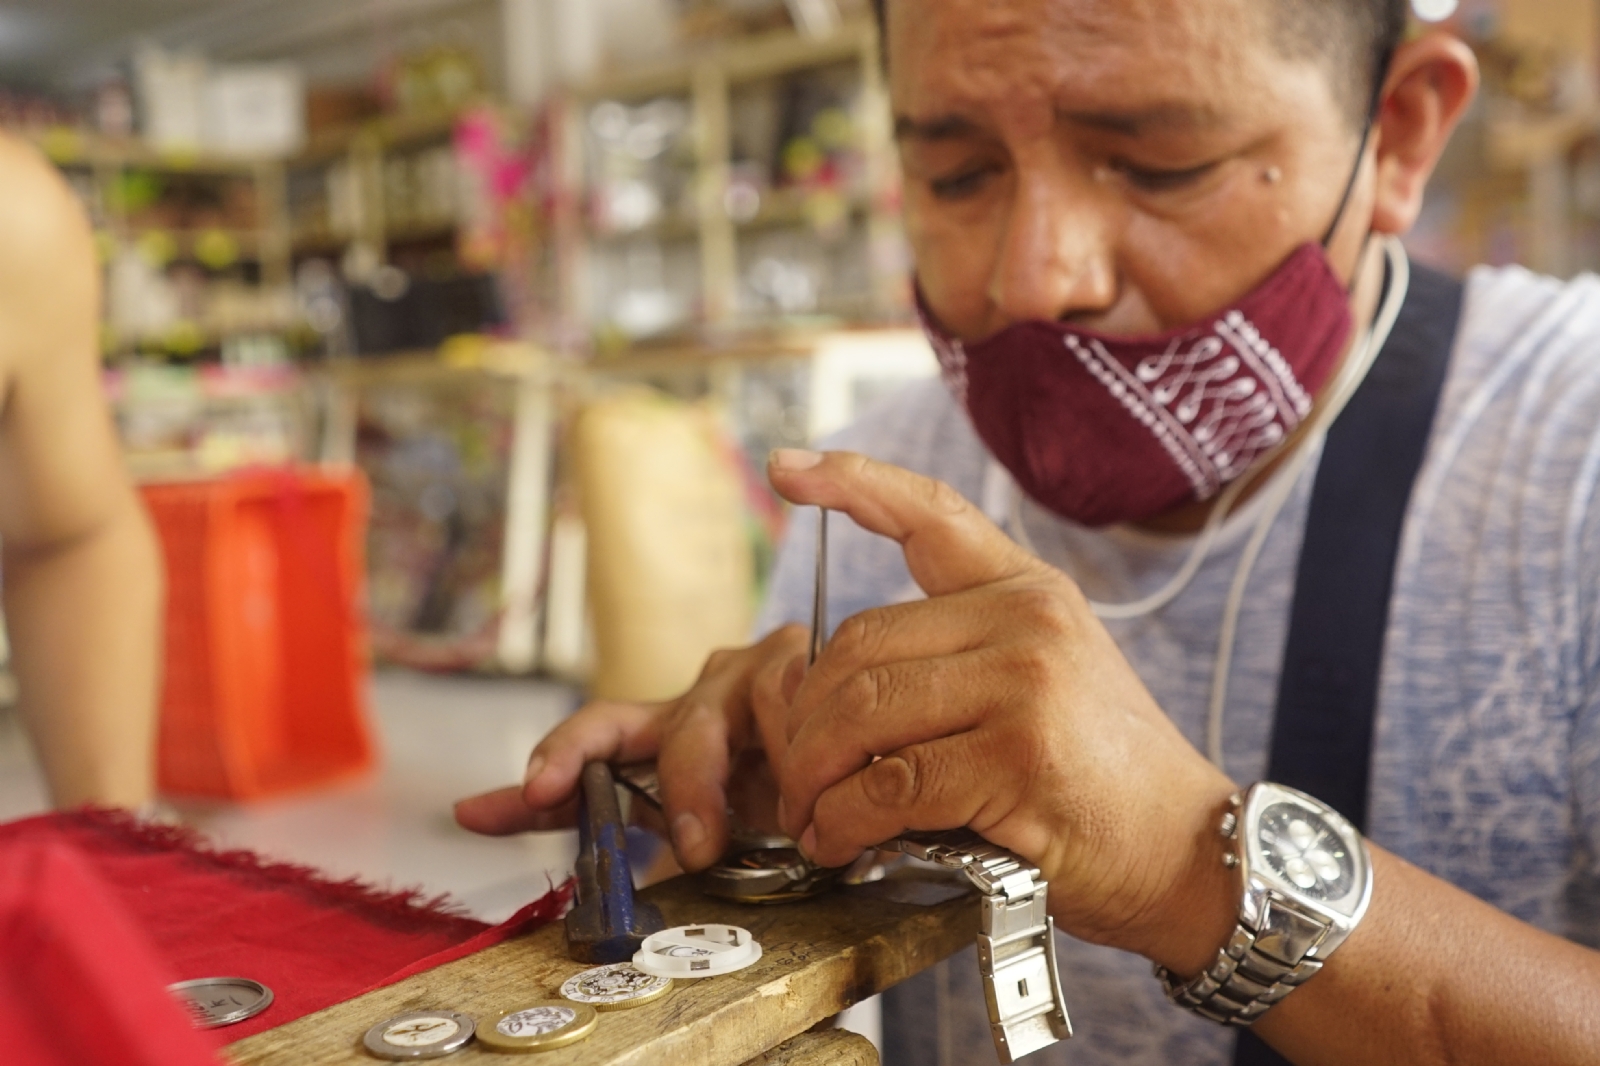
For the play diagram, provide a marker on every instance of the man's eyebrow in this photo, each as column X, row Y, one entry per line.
column 939, row 128
column 1160, row 118
column 1163, row 118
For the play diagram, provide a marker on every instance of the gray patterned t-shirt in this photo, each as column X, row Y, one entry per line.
column 1486, row 764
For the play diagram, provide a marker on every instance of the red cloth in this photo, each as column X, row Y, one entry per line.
column 205, row 913
column 78, row 984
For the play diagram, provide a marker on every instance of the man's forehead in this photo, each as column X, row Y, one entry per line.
column 1127, row 66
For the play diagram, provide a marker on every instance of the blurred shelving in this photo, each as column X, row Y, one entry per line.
column 746, row 185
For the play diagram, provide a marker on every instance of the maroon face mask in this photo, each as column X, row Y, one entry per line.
column 1103, row 429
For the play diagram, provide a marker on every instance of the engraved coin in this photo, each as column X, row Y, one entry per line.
column 426, row 1034
column 539, row 1026
column 615, row 987
column 217, row 1001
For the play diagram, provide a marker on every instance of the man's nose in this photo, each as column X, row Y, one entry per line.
column 1055, row 259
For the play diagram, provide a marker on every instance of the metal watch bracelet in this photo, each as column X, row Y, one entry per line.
column 1248, row 977
column 1016, row 938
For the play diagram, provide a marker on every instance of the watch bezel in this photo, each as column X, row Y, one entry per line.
column 1264, row 887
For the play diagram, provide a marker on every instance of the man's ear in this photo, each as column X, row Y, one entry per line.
column 1432, row 80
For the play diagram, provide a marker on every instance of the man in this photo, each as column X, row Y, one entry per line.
column 81, row 576
column 1092, row 177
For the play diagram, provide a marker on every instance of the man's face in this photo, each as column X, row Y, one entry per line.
column 1128, row 165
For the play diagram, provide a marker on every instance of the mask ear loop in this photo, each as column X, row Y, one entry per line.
column 1373, row 107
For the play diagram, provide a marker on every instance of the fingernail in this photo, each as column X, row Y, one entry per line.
column 808, row 842
column 535, row 768
column 687, row 832
column 782, row 819
column 793, row 459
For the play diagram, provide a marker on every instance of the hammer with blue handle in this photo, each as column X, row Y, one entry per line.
column 606, row 924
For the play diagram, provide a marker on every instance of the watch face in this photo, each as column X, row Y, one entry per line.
column 1303, row 850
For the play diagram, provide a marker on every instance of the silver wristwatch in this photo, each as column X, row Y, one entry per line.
column 1307, row 880
column 1016, row 938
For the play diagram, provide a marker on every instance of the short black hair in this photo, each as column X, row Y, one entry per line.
column 1355, row 38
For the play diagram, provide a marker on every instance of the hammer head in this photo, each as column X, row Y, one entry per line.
column 606, row 924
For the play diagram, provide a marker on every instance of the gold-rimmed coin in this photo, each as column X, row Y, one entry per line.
column 541, row 1026
column 618, row 986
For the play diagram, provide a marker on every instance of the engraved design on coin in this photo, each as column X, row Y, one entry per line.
column 617, row 983
column 420, row 1032
column 536, row 1021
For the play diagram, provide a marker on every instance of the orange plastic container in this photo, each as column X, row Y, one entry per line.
column 266, row 656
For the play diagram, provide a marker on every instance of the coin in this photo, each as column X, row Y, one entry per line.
column 539, row 1026
column 217, row 1001
column 615, row 987
column 697, row 951
column 422, row 1034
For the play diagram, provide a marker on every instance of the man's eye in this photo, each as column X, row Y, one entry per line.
column 962, row 184
column 1146, row 179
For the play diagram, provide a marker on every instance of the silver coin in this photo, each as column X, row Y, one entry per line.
column 217, row 1001
column 420, row 1034
column 614, row 987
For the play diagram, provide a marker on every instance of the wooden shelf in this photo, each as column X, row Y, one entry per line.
column 670, row 228
column 66, row 147
column 738, row 60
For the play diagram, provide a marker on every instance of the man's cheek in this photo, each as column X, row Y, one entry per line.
column 953, row 267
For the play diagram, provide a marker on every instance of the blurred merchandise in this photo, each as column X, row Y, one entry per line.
column 1513, row 186
column 113, row 109
column 399, row 313
column 438, row 454
column 751, row 189
column 642, row 161
column 184, row 421
column 436, row 79
column 264, row 686
column 256, row 110
column 717, row 19
column 171, row 93
column 670, row 571
column 333, row 108
column 187, row 105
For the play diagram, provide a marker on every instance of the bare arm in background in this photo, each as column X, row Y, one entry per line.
column 82, row 579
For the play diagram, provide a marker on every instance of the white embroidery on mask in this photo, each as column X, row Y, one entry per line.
column 1216, row 403
column 1136, row 399
column 1269, row 364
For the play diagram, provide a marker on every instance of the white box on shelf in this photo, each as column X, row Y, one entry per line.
column 255, row 109
column 170, row 88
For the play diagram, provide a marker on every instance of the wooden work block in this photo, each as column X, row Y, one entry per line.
column 831, row 1047
column 819, row 957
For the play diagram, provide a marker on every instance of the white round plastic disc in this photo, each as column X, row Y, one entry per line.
column 697, row 951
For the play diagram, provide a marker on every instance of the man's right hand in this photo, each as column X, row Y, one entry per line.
column 737, row 706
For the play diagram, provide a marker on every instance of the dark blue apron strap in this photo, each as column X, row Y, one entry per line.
column 1328, row 695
